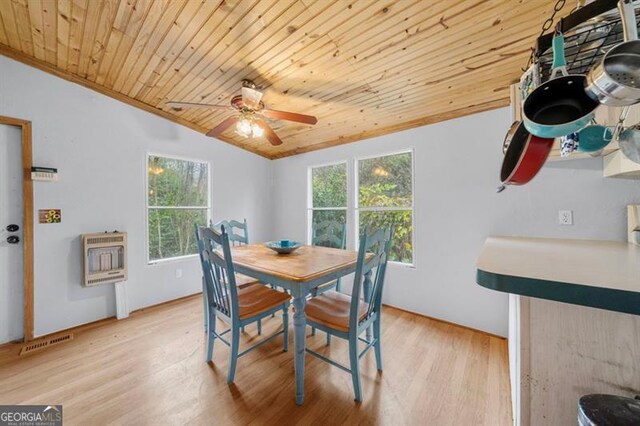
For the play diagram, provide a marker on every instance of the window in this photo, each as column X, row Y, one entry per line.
column 385, row 197
column 328, row 201
column 177, row 198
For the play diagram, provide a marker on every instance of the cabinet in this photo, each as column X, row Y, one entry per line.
column 574, row 325
column 615, row 164
column 594, row 351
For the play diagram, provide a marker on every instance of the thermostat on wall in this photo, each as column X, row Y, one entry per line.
column 46, row 174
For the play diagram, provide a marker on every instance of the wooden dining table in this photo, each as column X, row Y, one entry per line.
column 299, row 272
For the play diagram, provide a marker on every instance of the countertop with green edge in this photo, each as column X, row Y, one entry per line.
column 599, row 274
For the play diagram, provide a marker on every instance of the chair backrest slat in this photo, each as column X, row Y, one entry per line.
column 329, row 233
column 218, row 271
column 378, row 245
column 378, row 280
column 232, row 227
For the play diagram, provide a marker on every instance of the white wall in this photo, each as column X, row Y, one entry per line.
column 99, row 146
column 456, row 171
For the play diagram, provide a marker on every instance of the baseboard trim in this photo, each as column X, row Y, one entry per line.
column 108, row 320
column 166, row 303
column 445, row 321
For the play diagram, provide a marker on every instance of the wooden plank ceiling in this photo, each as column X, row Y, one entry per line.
column 363, row 67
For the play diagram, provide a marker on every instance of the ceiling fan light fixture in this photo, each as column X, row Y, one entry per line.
column 257, row 131
column 243, row 128
column 248, row 110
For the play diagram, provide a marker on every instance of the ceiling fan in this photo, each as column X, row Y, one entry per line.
column 248, row 123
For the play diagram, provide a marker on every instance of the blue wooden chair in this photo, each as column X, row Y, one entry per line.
column 348, row 317
column 238, row 240
column 236, row 307
column 238, row 236
column 232, row 226
column 329, row 233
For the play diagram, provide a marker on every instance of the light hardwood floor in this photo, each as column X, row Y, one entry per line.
column 150, row 369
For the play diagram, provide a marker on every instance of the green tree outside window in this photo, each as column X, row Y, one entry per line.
column 178, row 198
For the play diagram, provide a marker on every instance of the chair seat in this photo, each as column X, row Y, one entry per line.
column 243, row 281
column 254, row 299
column 331, row 309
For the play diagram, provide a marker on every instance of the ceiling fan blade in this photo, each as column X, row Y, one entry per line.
column 180, row 105
column 220, row 128
column 268, row 132
column 251, row 97
column 290, row 116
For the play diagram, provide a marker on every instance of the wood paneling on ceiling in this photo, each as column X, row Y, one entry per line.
column 363, row 67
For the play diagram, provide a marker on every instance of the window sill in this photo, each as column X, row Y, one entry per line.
column 402, row 265
column 171, row 259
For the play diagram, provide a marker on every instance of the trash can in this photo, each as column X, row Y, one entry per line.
column 608, row 410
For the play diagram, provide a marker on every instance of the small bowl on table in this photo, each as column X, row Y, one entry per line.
column 283, row 246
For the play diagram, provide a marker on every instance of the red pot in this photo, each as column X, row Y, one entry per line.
column 524, row 157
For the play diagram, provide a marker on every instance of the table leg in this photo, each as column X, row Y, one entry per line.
column 366, row 288
column 299, row 343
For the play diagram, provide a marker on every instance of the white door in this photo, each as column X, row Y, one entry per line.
column 11, row 290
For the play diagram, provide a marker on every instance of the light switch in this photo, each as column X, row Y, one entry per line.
column 565, row 217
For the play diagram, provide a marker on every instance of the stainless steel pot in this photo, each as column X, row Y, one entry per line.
column 615, row 81
column 629, row 142
column 629, row 138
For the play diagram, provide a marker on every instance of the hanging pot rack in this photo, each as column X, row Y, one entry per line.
column 589, row 32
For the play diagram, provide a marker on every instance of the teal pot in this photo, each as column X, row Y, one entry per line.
column 594, row 138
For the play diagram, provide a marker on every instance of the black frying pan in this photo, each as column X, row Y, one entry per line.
column 560, row 106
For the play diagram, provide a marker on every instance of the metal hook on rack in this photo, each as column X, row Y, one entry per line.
column 546, row 25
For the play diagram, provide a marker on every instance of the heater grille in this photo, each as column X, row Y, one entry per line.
column 104, row 240
column 45, row 343
column 109, row 279
column 104, row 258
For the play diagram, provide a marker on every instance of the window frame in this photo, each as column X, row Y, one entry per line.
column 148, row 207
column 311, row 209
column 357, row 209
column 353, row 209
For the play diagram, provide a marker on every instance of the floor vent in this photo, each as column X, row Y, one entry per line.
column 27, row 348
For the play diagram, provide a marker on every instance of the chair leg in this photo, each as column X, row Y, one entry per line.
column 242, row 328
column 235, row 343
column 313, row 331
column 355, row 368
column 328, row 339
column 260, row 326
column 285, row 325
column 205, row 307
column 210, row 335
column 378, row 345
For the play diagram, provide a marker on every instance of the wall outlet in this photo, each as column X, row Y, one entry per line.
column 178, row 273
column 565, row 217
